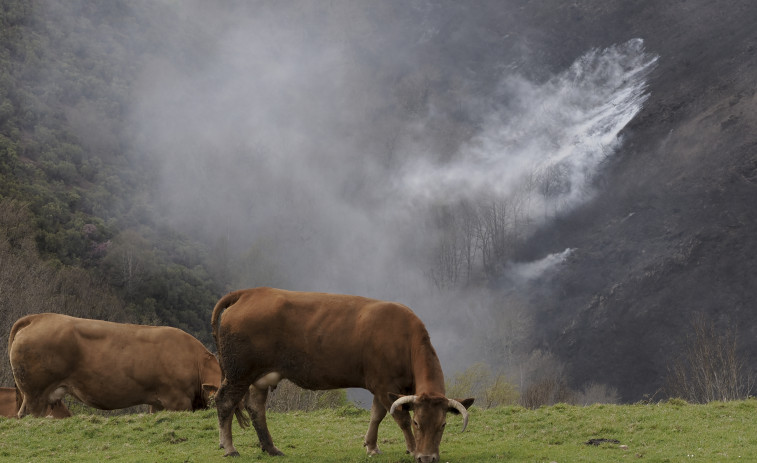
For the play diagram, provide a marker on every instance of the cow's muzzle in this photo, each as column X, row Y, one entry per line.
column 427, row 458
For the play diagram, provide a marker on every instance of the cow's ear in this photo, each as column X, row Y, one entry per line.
column 209, row 389
column 466, row 403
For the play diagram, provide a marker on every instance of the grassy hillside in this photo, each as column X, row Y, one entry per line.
column 672, row 431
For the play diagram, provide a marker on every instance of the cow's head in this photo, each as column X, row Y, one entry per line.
column 429, row 420
column 210, row 379
column 208, row 394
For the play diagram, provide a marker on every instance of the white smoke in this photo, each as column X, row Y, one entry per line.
column 529, row 271
column 259, row 153
column 272, row 149
column 545, row 140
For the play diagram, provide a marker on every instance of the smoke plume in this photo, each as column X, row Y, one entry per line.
column 306, row 153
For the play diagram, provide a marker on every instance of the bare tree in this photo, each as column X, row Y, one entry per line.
column 448, row 255
column 553, row 182
column 709, row 367
column 129, row 260
column 547, row 391
column 500, row 228
column 543, row 380
column 468, row 224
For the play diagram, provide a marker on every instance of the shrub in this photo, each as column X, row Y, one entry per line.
column 547, row 391
column 595, row 393
column 490, row 389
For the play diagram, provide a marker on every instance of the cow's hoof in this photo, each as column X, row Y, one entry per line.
column 232, row 454
column 274, row 452
column 372, row 452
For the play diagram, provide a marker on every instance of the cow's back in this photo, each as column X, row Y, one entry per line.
column 106, row 365
column 319, row 340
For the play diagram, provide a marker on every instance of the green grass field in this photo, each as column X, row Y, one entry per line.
column 665, row 432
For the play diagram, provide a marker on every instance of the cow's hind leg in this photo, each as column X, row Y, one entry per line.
column 55, row 403
column 59, row 410
column 227, row 398
column 255, row 405
column 21, row 404
column 378, row 412
column 35, row 406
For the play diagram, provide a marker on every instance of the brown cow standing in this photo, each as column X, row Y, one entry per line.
column 9, row 405
column 328, row 341
column 108, row 365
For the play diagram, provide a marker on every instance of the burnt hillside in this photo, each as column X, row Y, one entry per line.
column 673, row 231
column 154, row 155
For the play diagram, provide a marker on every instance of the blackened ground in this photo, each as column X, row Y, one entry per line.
column 673, row 231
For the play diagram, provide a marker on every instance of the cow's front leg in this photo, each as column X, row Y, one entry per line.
column 156, row 408
column 402, row 418
column 227, row 398
column 378, row 412
column 256, row 407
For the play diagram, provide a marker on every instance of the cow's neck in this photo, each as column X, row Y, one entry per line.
column 427, row 370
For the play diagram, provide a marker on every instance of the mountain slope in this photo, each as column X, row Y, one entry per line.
column 170, row 153
column 672, row 233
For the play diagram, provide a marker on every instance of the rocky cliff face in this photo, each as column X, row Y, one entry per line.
column 673, row 232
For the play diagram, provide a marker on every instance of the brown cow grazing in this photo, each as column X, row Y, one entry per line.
column 9, row 406
column 109, row 365
column 328, row 341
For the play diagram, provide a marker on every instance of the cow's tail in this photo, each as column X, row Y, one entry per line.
column 227, row 301
column 242, row 419
column 20, row 323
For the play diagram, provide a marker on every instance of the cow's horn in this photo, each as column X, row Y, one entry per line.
column 459, row 407
column 402, row 401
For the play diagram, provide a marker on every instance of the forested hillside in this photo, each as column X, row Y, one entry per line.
column 78, row 233
column 557, row 189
